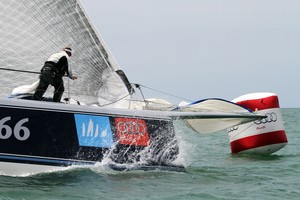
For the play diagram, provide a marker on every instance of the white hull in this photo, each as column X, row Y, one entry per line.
column 20, row 169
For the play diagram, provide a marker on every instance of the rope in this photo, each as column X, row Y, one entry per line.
column 22, row 71
column 110, row 102
column 16, row 70
column 162, row 92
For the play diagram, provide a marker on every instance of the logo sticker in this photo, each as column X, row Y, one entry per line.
column 93, row 131
column 132, row 131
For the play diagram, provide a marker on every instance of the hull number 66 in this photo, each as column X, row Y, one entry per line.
column 20, row 131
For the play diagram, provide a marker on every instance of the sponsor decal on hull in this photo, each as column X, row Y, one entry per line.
column 93, row 131
column 132, row 131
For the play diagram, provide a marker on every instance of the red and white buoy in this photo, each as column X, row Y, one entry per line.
column 264, row 136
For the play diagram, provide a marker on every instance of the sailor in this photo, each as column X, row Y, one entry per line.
column 52, row 73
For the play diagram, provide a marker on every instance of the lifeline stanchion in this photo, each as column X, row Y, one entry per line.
column 68, row 90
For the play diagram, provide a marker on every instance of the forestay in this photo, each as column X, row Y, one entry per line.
column 30, row 31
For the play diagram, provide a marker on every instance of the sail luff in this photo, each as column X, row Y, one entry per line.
column 103, row 49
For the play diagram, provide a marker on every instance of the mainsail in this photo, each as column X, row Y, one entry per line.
column 32, row 30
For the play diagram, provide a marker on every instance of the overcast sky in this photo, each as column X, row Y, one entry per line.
column 200, row 49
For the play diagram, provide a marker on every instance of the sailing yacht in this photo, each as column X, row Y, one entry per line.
column 103, row 122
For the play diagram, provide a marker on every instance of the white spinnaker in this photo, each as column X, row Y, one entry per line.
column 30, row 31
column 215, row 108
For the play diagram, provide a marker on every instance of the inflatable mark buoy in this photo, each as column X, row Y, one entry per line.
column 264, row 136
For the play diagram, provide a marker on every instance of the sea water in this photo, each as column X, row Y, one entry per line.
column 212, row 173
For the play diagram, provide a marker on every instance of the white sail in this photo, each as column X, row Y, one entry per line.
column 33, row 30
column 221, row 114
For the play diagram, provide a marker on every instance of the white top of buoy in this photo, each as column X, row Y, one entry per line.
column 253, row 96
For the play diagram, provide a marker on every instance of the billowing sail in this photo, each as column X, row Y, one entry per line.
column 33, row 30
column 221, row 114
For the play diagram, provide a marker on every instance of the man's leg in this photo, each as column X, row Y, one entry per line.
column 59, row 89
column 41, row 89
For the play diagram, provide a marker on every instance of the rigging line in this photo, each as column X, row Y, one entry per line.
column 136, row 84
column 22, row 71
column 110, row 102
column 139, row 85
column 17, row 70
column 146, row 101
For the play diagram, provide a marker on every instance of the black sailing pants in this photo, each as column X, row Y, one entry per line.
column 48, row 78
